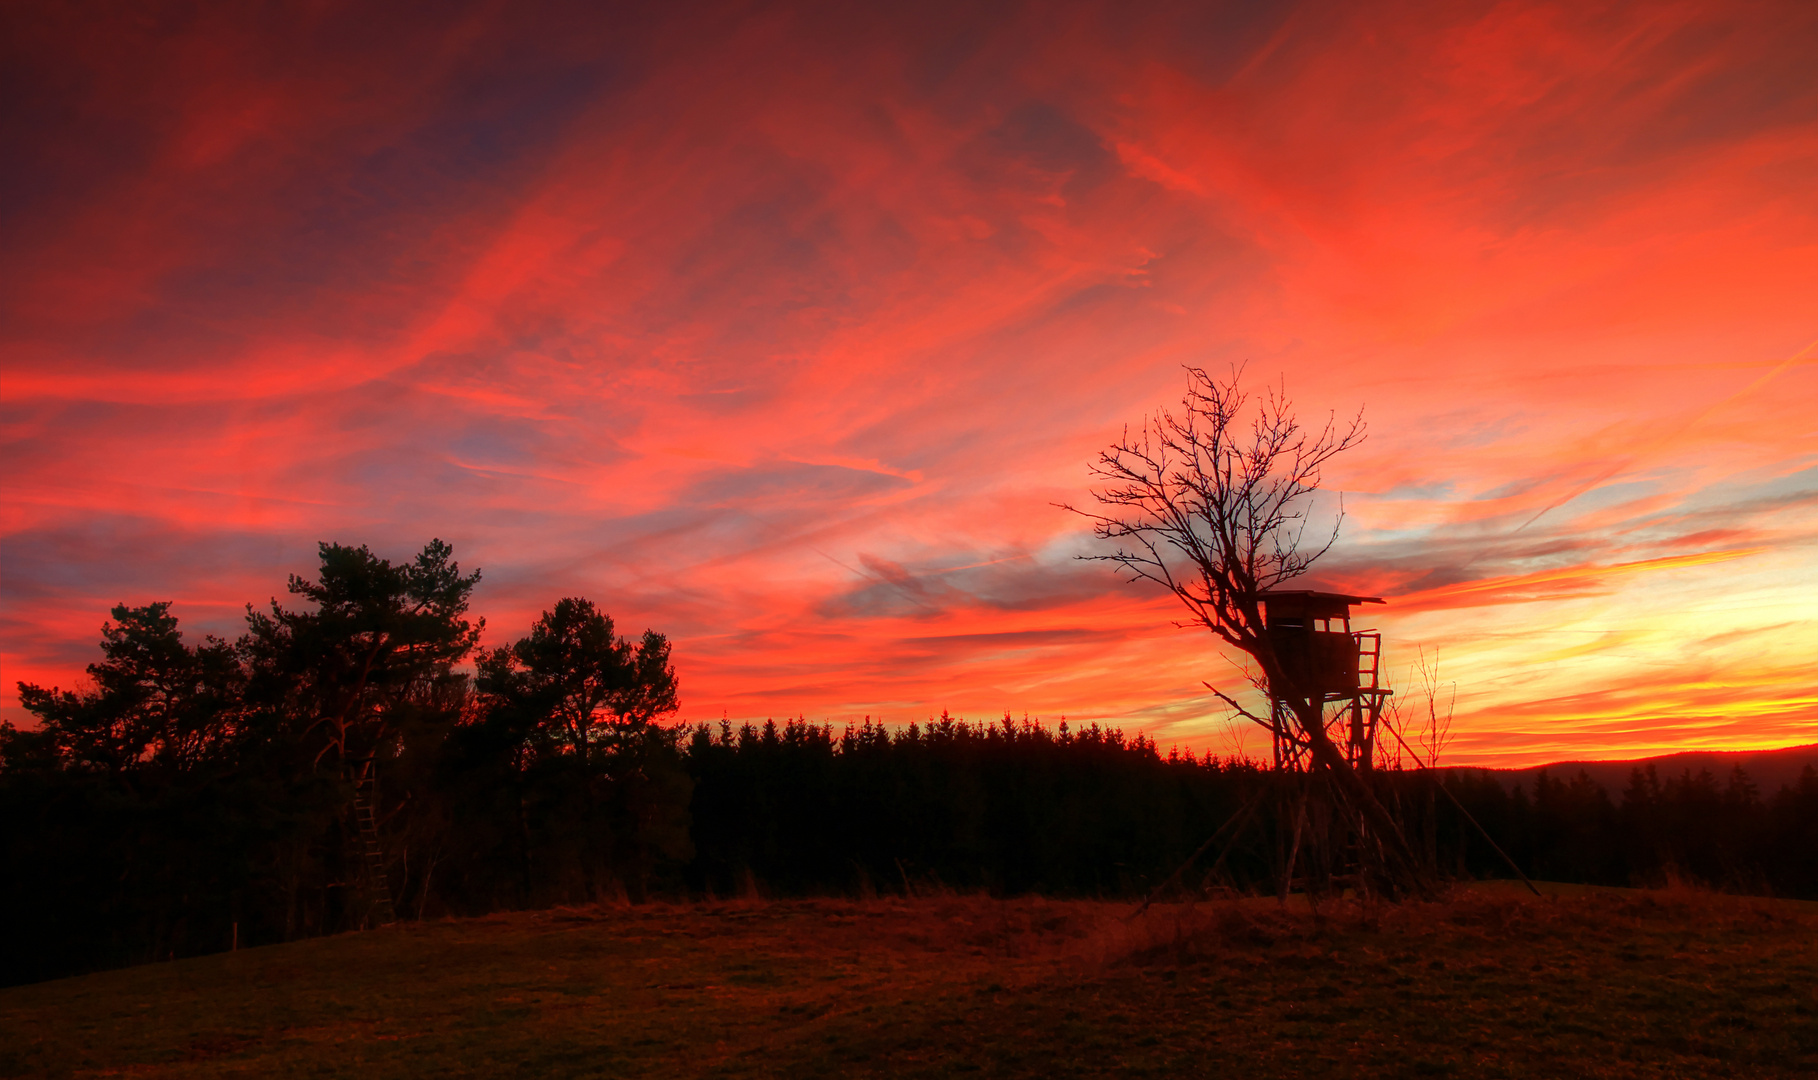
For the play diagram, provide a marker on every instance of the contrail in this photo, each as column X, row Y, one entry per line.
column 1663, row 440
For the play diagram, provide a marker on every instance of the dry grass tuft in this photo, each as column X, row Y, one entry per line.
column 1172, row 934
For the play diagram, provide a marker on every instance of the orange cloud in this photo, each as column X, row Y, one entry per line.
column 783, row 331
column 1541, row 583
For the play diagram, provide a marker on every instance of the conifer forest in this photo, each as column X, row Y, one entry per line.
column 355, row 757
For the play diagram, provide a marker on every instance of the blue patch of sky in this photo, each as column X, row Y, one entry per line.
column 115, row 556
column 504, row 443
column 1607, row 495
column 1435, row 491
column 764, row 484
column 1740, row 492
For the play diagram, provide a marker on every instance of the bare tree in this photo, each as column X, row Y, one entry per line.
column 1434, row 735
column 1212, row 503
column 1436, row 732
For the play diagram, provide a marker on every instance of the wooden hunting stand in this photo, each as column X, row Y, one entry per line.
column 1320, row 652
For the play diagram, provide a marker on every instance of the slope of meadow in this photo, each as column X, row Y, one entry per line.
column 1487, row 983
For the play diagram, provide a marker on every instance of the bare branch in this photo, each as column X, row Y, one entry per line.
column 1212, row 503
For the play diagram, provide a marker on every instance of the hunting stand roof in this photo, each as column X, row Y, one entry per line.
column 1306, row 604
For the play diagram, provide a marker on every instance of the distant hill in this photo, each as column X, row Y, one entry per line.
column 1769, row 769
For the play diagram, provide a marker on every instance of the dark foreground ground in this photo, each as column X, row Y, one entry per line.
column 1486, row 984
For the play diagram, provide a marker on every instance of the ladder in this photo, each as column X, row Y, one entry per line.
column 1363, row 716
column 378, row 887
column 1369, row 658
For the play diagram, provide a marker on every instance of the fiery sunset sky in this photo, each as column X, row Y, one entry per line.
column 783, row 328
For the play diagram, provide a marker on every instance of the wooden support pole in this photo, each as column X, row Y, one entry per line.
column 1300, row 821
column 1243, row 814
column 1485, row 833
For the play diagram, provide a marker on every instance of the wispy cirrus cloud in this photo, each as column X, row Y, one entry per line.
column 784, row 329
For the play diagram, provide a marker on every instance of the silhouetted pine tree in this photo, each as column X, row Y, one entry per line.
column 193, row 797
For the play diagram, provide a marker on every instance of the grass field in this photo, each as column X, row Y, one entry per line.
column 1486, row 984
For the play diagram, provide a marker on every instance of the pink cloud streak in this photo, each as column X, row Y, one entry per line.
column 783, row 332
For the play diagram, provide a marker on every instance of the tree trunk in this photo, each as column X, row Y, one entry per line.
column 524, row 844
column 1401, row 868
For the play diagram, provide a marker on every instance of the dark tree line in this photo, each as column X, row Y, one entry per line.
column 1017, row 808
column 207, row 793
column 1009, row 807
column 1692, row 828
column 331, row 767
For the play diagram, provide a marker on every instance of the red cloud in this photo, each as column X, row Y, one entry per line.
column 784, row 331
